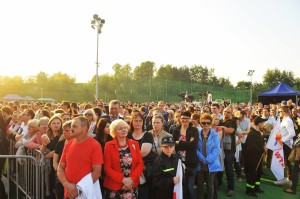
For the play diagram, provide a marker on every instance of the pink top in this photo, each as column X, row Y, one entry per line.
column 35, row 141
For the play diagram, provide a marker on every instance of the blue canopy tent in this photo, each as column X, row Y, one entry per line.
column 278, row 93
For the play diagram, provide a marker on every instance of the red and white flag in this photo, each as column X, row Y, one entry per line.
column 276, row 145
column 178, row 190
column 275, row 139
column 277, row 165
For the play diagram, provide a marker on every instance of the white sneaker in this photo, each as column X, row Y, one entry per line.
column 281, row 182
column 289, row 182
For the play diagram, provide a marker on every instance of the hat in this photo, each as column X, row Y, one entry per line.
column 258, row 120
column 283, row 102
column 167, row 141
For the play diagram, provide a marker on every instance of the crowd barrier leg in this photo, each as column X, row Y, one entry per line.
column 25, row 174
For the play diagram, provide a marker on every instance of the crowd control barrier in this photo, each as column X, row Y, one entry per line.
column 25, row 175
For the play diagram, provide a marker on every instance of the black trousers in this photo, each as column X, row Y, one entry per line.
column 288, row 165
column 252, row 175
column 295, row 175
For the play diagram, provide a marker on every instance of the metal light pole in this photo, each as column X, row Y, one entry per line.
column 97, row 24
column 250, row 73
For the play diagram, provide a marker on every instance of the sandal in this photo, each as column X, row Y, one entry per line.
column 289, row 190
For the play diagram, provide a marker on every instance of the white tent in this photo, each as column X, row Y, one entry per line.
column 46, row 99
column 29, row 98
column 12, row 97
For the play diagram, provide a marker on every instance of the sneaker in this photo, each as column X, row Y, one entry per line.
column 281, row 182
column 230, row 193
column 288, row 182
column 289, row 190
column 240, row 180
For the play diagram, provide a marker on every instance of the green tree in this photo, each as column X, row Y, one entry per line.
column 144, row 71
column 61, row 81
column 243, row 85
column 167, row 72
column 184, row 73
column 223, row 82
column 273, row 77
column 199, row 74
column 123, row 73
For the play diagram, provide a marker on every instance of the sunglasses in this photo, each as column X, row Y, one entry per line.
column 206, row 123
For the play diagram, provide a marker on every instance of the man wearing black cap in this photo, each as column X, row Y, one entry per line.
column 253, row 151
column 165, row 169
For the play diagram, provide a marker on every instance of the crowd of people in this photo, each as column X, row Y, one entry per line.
column 132, row 150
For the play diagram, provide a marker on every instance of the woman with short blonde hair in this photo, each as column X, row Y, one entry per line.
column 123, row 163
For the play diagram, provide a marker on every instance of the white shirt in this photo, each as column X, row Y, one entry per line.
column 288, row 131
column 209, row 97
column 23, row 130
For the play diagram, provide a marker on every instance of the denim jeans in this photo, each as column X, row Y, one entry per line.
column 228, row 163
column 190, row 176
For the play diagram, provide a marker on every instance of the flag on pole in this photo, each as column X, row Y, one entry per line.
column 277, row 165
column 275, row 139
column 178, row 190
column 275, row 144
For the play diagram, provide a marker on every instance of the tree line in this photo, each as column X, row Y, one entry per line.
column 143, row 83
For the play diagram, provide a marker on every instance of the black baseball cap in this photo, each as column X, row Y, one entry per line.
column 167, row 141
column 258, row 120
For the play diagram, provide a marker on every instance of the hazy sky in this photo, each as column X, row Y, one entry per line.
column 231, row 36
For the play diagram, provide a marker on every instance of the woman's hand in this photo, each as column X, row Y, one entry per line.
column 127, row 183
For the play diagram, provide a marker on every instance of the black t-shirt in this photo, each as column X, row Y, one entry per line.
column 231, row 124
column 51, row 146
column 147, row 138
column 59, row 148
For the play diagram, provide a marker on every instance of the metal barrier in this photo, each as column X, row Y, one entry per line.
column 26, row 174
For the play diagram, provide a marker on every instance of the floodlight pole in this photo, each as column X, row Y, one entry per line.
column 250, row 73
column 97, row 24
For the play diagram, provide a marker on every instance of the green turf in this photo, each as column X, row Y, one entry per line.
column 271, row 191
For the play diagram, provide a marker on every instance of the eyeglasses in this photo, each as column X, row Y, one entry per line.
column 206, row 123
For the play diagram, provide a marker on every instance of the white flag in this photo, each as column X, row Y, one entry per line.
column 275, row 139
column 277, row 165
column 178, row 191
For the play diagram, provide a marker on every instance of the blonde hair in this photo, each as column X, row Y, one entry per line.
column 33, row 122
column 214, row 116
column 267, row 128
column 43, row 119
column 113, row 126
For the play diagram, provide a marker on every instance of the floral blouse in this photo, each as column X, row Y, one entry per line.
column 125, row 162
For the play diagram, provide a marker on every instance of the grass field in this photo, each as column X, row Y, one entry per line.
column 271, row 191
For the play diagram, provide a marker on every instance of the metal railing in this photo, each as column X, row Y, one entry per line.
column 25, row 174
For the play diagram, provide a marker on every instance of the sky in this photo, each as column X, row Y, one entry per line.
column 230, row 36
